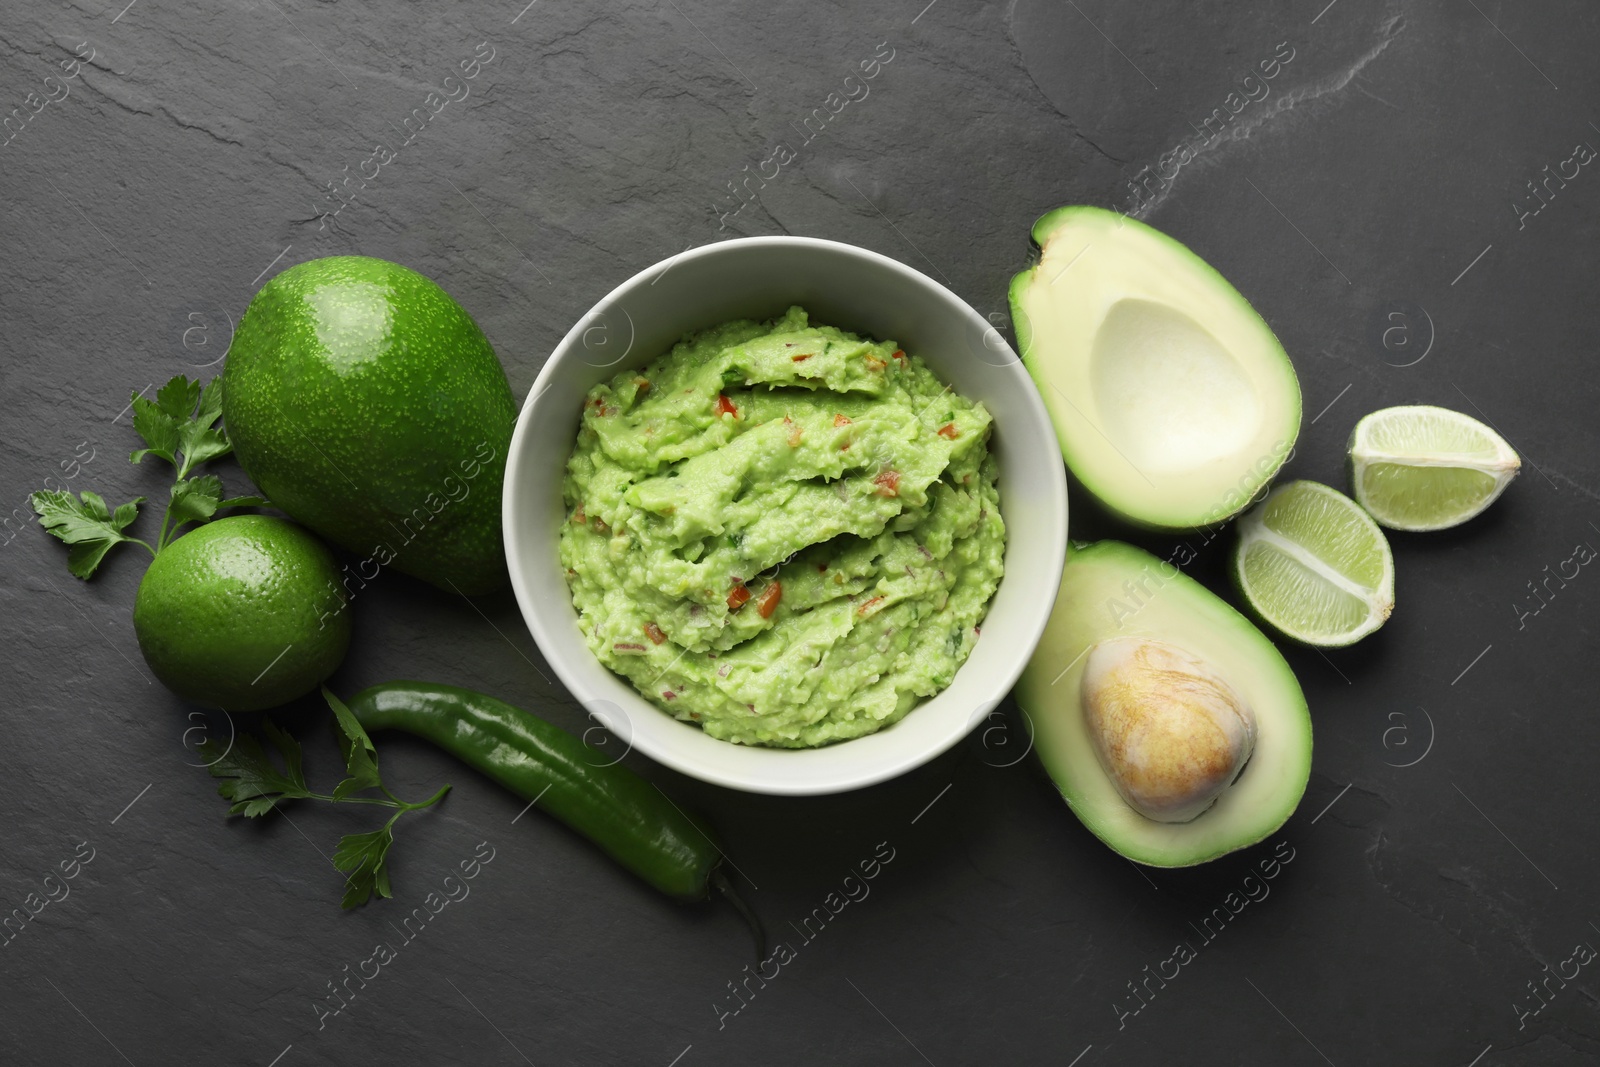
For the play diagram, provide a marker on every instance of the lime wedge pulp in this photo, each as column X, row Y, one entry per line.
column 1427, row 468
column 1314, row 566
column 1421, row 467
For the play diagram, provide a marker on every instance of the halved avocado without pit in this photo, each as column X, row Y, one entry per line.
column 1173, row 401
column 1171, row 725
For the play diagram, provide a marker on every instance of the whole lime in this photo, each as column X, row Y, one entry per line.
column 243, row 613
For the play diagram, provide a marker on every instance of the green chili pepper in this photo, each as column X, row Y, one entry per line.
column 631, row 820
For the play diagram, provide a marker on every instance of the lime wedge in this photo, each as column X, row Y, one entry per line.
column 1315, row 566
column 1427, row 468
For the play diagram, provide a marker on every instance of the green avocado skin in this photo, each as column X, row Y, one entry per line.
column 366, row 403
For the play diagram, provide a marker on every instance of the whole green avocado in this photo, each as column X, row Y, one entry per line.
column 366, row 403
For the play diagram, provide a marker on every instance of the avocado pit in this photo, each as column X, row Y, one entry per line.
column 1171, row 733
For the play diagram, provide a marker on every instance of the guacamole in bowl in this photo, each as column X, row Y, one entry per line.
column 782, row 531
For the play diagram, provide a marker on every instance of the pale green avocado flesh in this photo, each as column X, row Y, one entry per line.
column 1113, row 590
column 1173, row 402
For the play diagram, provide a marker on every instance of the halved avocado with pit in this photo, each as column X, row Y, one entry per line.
column 1173, row 401
column 1133, row 637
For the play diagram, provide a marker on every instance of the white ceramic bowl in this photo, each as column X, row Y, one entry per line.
column 840, row 285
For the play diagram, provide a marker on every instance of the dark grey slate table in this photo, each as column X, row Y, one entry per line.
column 1436, row 891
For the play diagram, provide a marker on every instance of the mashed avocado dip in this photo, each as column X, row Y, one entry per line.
column 782, row 532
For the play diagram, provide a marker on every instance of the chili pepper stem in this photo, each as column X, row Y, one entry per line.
column 746, row 912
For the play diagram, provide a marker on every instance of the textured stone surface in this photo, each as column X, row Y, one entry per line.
column 190, row 158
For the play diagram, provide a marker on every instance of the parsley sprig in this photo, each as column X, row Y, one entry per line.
column 179, row 426
column 252, row 780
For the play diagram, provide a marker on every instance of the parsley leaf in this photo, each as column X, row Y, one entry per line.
column 157, row 426
column 178, row 397
column 174, row 430
column 194, row 500
column 361, row 857
column 249, row 776
column 360, row 757
column 88, row 527
column 198, row 437
column 197, row 499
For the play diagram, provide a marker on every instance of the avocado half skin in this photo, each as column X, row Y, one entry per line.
column 367, row 404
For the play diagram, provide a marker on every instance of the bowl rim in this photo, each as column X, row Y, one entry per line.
column 570, row 677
